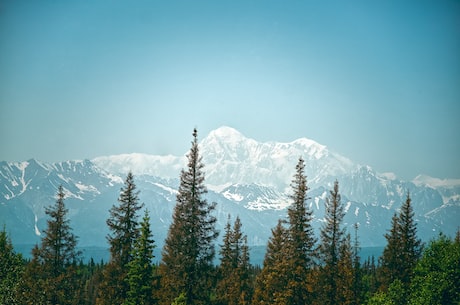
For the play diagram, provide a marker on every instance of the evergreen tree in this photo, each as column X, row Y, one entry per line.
column 51, row 277
column 11, row 269
column 411, row 246
column 140, row 274
column 123, row 222
column 301, row 240
column 271, row 283
column 244, row 275
column 369, row 278
column 357, row 285
column 402, row 251
column 332, row 238
column 124, row 226
column 188, row 252
column 436, row 278
column 234, row 283
column 58, row 248
column 344, row 277
column 391, row 259
column 32, row 290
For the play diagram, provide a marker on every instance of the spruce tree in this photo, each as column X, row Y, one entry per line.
column 59, row 244
column 124, row 227
column 391, row 259
column 411, row 245
column 234, row 284
column 332, row 238
column 140, row 274
column 301, row 240
column 188, row 252
column 403, row 248
column 345, row 275
column 271, row 283
column 357, row 285
column 51, row 276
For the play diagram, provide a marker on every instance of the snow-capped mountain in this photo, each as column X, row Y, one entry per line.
column 231, row 158
column 244, row 177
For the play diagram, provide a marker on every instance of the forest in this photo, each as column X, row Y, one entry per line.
column 299, row 267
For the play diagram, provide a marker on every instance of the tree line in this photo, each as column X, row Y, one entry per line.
column 298, row 268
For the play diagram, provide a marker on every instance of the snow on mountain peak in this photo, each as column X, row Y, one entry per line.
column 425, row 180
column 313, row 148
column 226, row 132
column 230, row 157
column 168, row 166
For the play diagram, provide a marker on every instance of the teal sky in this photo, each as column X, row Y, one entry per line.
column 377, row 81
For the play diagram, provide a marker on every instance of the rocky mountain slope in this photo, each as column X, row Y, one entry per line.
column 245, row 178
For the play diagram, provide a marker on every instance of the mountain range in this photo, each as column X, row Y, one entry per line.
column 244, row 177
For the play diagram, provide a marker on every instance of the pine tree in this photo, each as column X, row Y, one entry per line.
column 301, row 240
column 244, row 274
column 51, row 276
column 234, row 284
column 123, row 223
column 188, row 252
column 403, row 248
column 332, row 238
column 271, row 283
column 11, row 269
column 391, row 259
column 357, row 285
column 140, row 274
column 58, row 248
column 344, row 277
column 411, row 245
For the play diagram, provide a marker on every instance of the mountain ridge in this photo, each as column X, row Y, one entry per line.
column 245, row 177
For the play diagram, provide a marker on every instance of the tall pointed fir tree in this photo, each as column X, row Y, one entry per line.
column 234, row 285
column 141, row 269
column 332, row 238
column 301, row 241
column 357, row 285
column 54, row 262
column 124, row 227
column 188, row 253
column 411, row 244
column 272, row 281
column 390, row 259
column 403, row 249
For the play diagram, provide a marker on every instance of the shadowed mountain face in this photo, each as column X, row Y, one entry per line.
column 244, row 177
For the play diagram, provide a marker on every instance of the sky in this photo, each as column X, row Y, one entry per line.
column 376, row 81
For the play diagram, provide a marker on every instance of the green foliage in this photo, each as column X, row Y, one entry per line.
column 234, row 285
column 291, row 273
column 124, row 227
column 58, row 248
column 437, row 274
column 180, row 300
column 123, row 223
column 11, row 269
column 140, row 274
column 272, row 281
column 402, row 251
column 331, row 252
column 301, row 240
column 188, row 252
column 51, row 276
